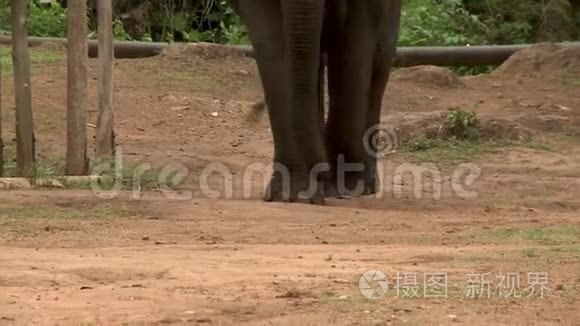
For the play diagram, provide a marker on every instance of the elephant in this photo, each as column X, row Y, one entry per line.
column 297, row 43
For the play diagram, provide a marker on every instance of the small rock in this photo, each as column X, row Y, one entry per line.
column 179, row 108
column 452, row 316
column 564, row 108
column 189, row 312
column 165, row 242
column 169, row 320
column 53, row 183
column 276, row 282
column 367, row 311
column 324, row 242
column 560, row 287
column 168, row 97
column 214, row 114
column 343, row 297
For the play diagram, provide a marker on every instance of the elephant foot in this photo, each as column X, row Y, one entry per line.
column 297, row 188
column 352, row 185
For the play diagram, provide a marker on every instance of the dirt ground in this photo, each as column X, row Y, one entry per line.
column 506, row 217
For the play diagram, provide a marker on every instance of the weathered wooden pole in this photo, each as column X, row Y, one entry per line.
column 22, row 91
column 77, row 88
column 1, row 141
column 104, row 136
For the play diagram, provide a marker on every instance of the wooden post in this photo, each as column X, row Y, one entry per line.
column 104, row 134
column 77, row 88
column 1, row 141
column 23, row 96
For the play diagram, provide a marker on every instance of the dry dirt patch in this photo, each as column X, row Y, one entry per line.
column 69, row 257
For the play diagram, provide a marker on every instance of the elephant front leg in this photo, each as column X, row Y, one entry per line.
column 349, row 83
column 263, row 19
column 361, row 46
column 284, row 35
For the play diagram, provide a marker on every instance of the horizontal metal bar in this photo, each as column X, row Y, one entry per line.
column 406, row 56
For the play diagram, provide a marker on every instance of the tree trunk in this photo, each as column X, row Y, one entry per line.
column 105, row 141
column 77, row 92
column 21, row 63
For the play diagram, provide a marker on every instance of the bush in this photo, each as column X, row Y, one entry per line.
column 43, row 22
column 445, row 22
column 424, row 22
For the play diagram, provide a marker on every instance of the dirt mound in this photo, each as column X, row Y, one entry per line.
column 203, row 50
column 498, row 129
column 428, row 75
column 410, row 127
column 545, row 59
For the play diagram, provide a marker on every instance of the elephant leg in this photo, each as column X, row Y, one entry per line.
column 350, row 50
column 388, row 20
column 263, row 19
column 303, row 24
column 283, row 51
column 358, row 70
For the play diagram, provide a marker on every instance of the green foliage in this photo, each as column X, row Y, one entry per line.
column 44, row 22
column 424, row 22
column 461, row 124
column 424, row 144
column 445, row 22
column 508, row 22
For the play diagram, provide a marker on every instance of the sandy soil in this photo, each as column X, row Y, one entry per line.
column 71, row 257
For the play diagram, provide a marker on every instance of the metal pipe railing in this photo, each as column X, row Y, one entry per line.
column 406, row 56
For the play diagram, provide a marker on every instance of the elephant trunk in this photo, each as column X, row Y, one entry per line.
column 303, row 22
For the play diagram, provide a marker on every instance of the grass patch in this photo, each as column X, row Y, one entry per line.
column 444, row 151
column 554, row 236
column 64, row 213
column 572, row 80
column 459, row 141
column 128, row 176
column 531, row 252
column 37, row 56
column 453, row 151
